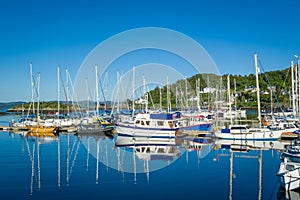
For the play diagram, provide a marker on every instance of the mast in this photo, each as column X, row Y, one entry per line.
column 293, row 88
column 257, row 90
column 133, row 80
column 160, row 99
column 234, row 94
column 118, row 92
column 38, row 97
column 88, row 96
column 67, row 91
column 198, row 94
column 145, row 93
column 32, row 88
column 229, row 98
column 58, row 92
column 168, row 96
column 186, row 94
column 97, row 92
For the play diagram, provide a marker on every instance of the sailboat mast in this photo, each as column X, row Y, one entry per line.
column 160, row 99
column 133, row 80
column 168, row 95
column 229, row 98
column 32, row 88
column 58, row 92
column 38, row 97
column 198, row 94
column 293, row 88
column 186, row 94
column 88, row 96
column 298, row 66
column 67, row 91
column 97, row 92
column 235, row 107
column 257, row 89
column 145, row 93
column 118, row 92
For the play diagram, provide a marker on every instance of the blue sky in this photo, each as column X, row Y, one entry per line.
column 62, row 33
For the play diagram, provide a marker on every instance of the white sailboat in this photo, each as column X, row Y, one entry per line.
column 243, row 132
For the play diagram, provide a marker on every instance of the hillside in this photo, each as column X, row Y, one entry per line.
column 216, row 89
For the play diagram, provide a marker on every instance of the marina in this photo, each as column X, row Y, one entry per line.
column 150, row 100
column 97, row 163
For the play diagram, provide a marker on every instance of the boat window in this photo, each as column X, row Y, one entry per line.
column 148, row 123
column 289, row 167
column 148, row 150
column 137, row 121
column 142, row 122
column 238, row 127
column 170, row 124
column 160, row 123
column 161, row 150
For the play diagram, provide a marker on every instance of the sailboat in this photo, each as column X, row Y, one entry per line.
column 244, row 132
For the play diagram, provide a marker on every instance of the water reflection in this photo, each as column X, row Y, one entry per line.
column 90, row 160
column 283, row 194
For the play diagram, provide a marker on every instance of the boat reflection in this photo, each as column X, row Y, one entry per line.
column 243, row 149
column 94, row 142
column 151, row 148
column 34, row 143
column 247, row 145
column 144, row 154
column 201, row 145
column 283, row 194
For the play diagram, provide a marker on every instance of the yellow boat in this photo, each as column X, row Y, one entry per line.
column 42, row 129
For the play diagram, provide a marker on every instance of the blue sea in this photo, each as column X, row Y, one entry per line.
column 73, row 166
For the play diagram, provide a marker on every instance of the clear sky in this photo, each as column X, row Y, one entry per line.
column 53, row 33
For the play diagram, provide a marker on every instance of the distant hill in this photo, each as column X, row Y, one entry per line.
column 279, row 79
column 5, row 106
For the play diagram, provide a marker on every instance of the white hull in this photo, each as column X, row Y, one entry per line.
column 289, row 175
column 145, row 132
column 263, row 135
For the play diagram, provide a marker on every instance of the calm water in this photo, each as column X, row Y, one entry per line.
column 78, row 167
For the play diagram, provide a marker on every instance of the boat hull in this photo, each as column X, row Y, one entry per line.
column 42, row 129
column 128, row 130
column 264, row 135
column 199, row 127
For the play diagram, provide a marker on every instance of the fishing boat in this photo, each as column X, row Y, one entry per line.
column 244, row 132
column 150, row 125
column 289, row 174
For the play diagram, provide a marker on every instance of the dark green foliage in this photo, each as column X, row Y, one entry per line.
column 279, row 78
